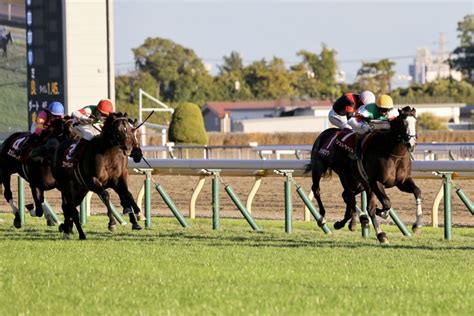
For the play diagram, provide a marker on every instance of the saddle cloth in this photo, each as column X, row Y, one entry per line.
column 346, row 140
column 73, row 152
column 16, row 148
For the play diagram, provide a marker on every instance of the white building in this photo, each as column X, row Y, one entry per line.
column 427, row 68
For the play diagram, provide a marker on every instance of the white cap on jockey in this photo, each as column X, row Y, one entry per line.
column 367, row 97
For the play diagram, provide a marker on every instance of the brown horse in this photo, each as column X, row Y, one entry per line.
column 101, row 163
column 38, row 174
column 4, row 43
column 385, row 163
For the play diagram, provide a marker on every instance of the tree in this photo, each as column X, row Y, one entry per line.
column 376, row 76
column 269, row 80
column 187, row 125
column 180, row 74
column 315, row 76
column 126, row 95
column 464, row 54
column 230, row 83
column 429, row 121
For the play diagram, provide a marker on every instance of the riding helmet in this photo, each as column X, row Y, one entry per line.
column 384, row 101
column 367, row 97
column 56, row 108
column 105, row 106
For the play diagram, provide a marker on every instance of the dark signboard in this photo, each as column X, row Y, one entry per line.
column 44, row 54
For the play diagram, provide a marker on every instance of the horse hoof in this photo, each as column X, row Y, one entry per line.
column 382, row 237
column 136, row 227
column 381, row 213
column 61, row 227
column 113, row 227
column 66, row 236
column 352, row 226
column 83, row 237
column 338, row 225
column 127, row 210
column 321, row 222
column 364, row 220
column 416, row 229
column 17, row 223
column 50, row 222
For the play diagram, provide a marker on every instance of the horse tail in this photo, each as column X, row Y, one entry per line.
column 316, row 159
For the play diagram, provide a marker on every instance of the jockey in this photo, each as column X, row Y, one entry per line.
column 381, row 110
column 90, row 115
column 344, row 107
column 45, row 119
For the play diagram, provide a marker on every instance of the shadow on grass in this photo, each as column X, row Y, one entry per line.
column 185, row 238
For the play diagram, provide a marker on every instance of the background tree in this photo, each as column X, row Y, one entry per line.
column 315, row 75
column 187, row 125
column 180, row 74
column 230, row 83
column 126, row 95
column 429, row 121
column 464, row 54
column 376, row 76
column 269, row 80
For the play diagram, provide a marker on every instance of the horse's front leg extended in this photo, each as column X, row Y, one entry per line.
column 371, row 208
column 409, row 186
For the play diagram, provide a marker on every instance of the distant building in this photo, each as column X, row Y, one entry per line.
column 229, row 116
column 427, row 68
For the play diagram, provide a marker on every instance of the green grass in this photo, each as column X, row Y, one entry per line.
column 198, row 271
column 13, row 92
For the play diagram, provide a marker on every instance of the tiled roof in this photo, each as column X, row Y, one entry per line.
column 220, row 108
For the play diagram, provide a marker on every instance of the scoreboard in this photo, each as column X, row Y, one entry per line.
column 44, row 54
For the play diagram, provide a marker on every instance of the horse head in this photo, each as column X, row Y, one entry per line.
column 404, row 126
column 118, row 130
column 136, row 153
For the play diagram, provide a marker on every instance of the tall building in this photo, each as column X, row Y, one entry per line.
column 427, row 68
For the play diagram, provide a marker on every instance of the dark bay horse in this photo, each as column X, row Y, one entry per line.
column 101, row 163
column 4, row 43
column 38, row 174
column 385, row 163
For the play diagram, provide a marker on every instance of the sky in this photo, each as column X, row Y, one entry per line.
column 357, row 31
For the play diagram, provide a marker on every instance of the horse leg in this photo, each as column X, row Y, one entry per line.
column 381, row 235
column 350, row 201
column 66, row 226
column 105, row 197
column 77, row 222
column 317, row 170
column 7, row 193
column 379, row 190
column 409, row 186
column 38, row 198
column 127, row 201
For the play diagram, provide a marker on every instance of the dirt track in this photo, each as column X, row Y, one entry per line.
column 269, row 201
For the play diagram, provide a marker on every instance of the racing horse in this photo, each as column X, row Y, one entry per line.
column 37, row 173
column 4, row 43
column 101, row 163
column 385, row 163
